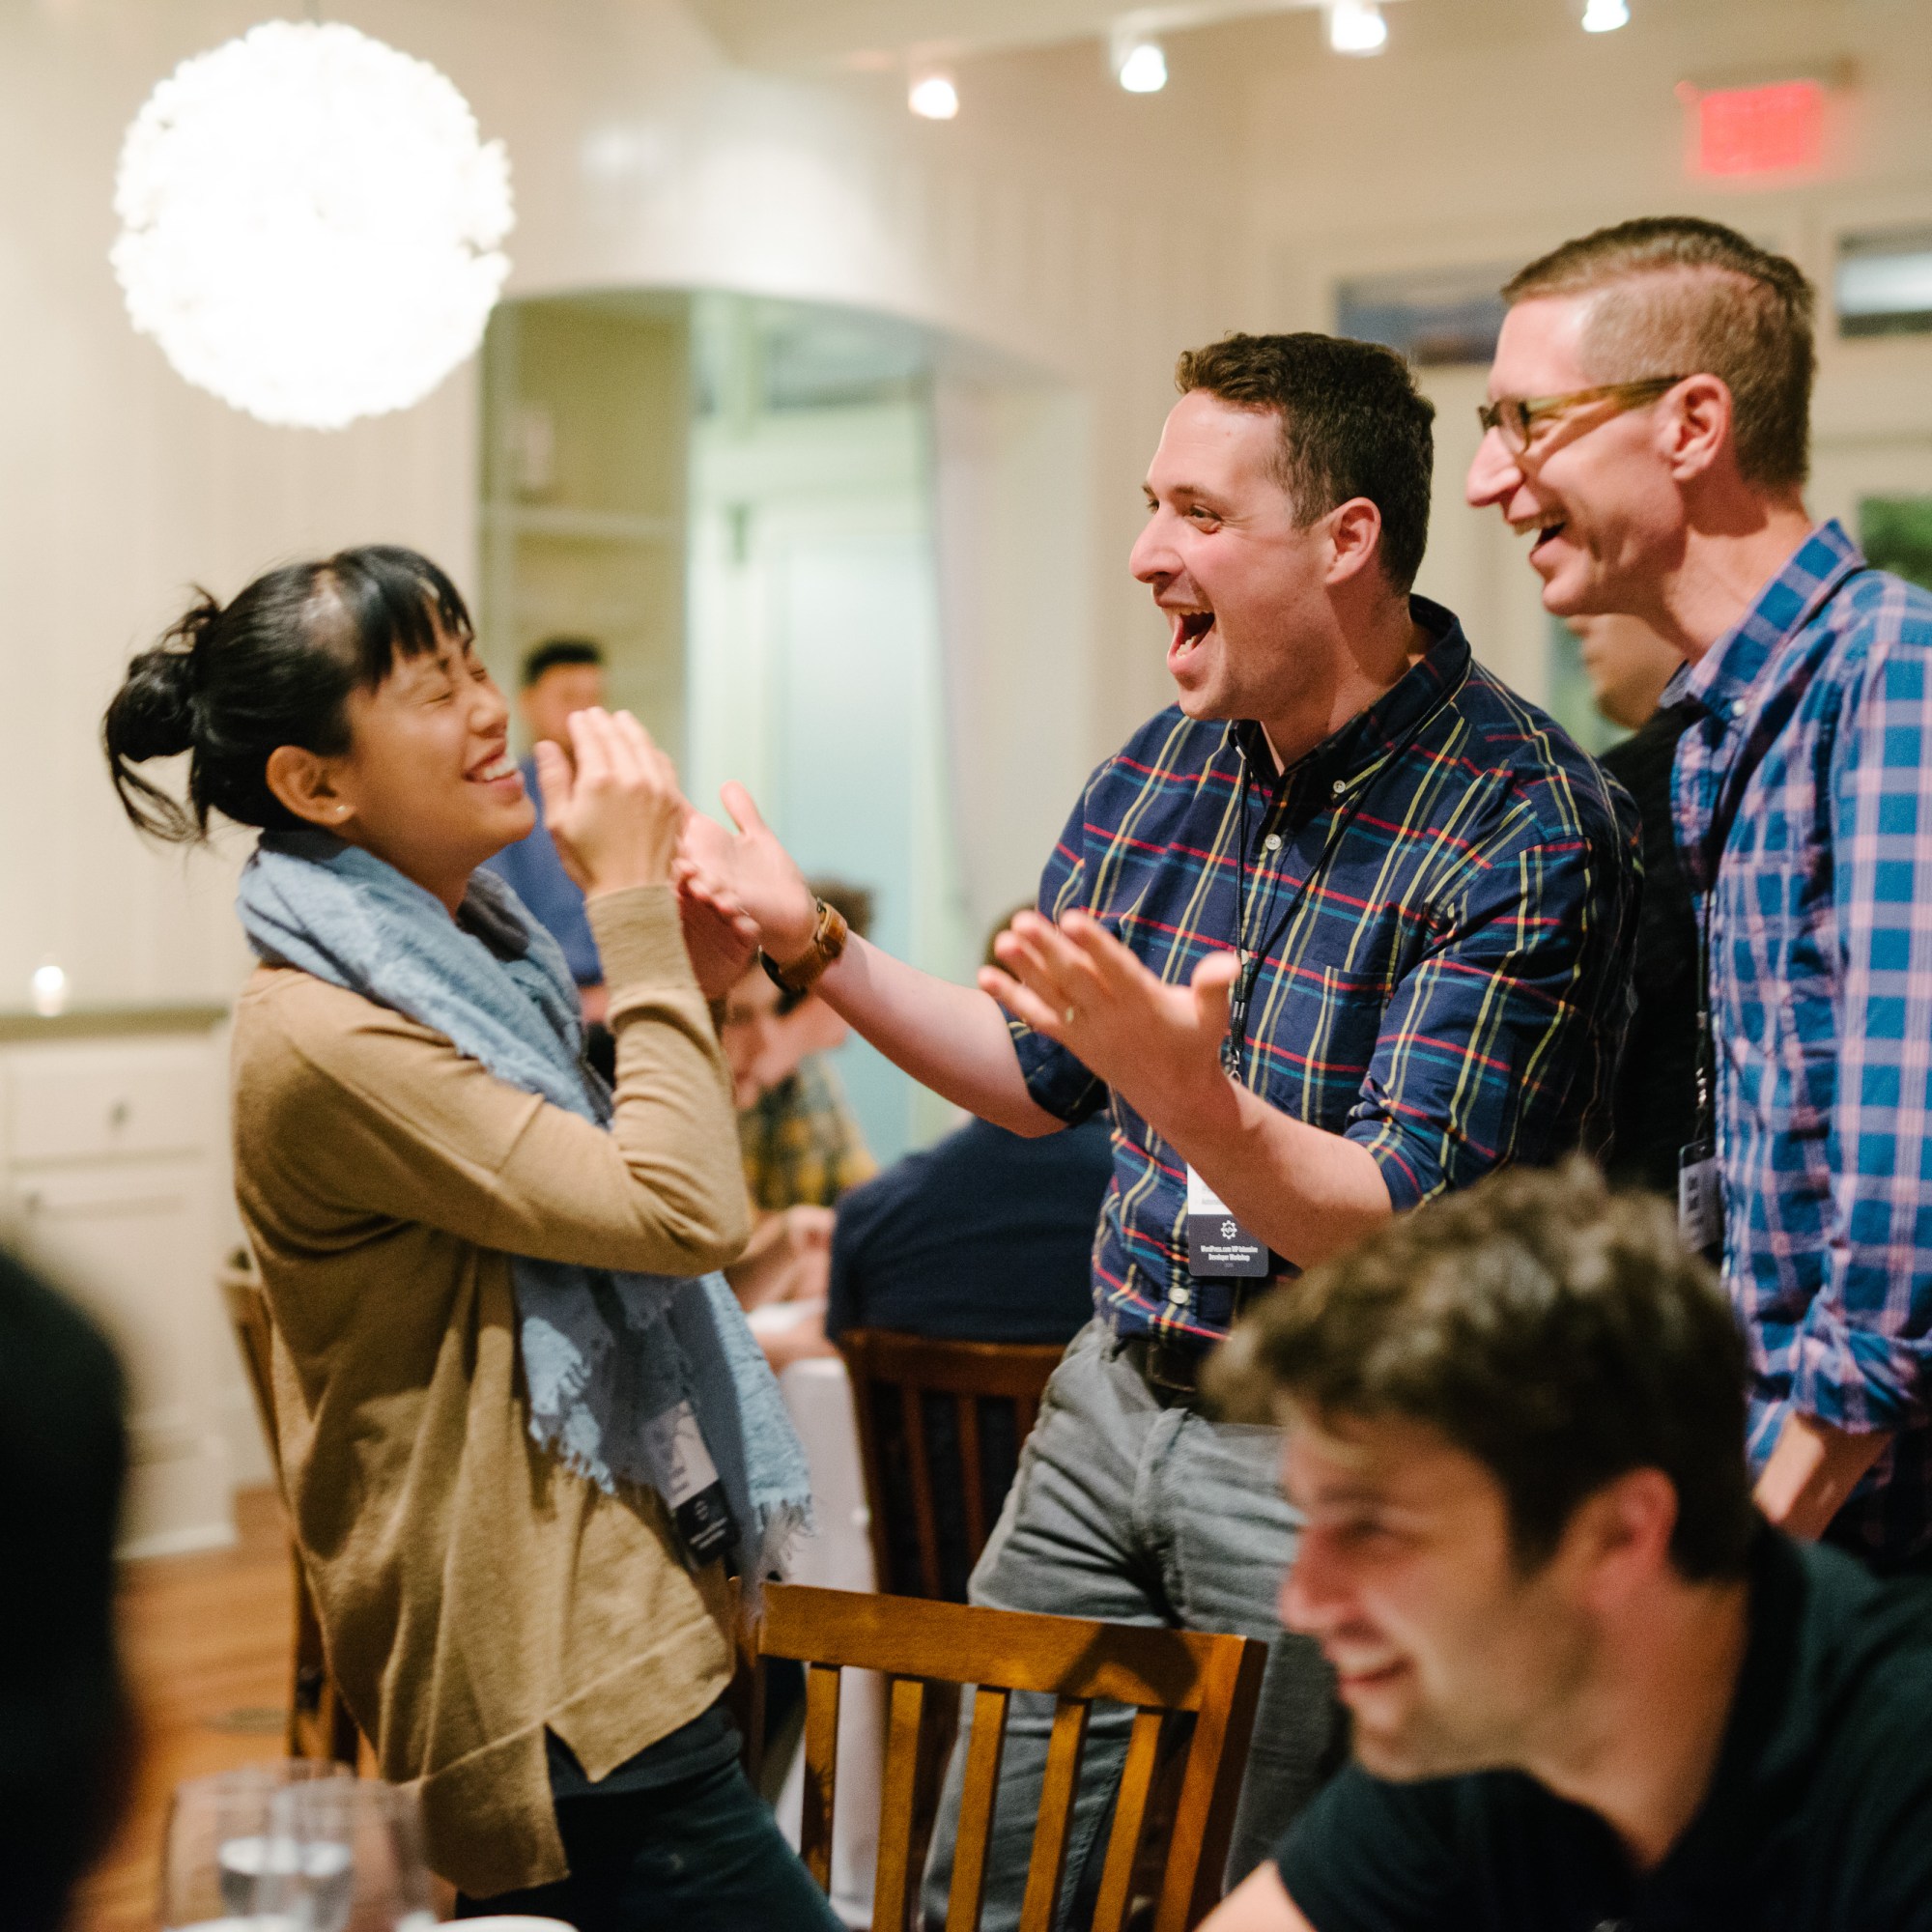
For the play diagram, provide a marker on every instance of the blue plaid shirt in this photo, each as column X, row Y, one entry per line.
column 1817, row 745
column 1448, row 990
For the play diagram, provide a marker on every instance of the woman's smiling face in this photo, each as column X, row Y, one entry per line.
column 427, row 783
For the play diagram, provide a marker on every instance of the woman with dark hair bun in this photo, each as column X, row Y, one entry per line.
column 524, row 1433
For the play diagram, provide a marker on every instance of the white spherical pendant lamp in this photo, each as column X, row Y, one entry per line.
column 310, row 225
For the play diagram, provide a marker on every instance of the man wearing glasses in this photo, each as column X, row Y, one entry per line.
column 1648, row 430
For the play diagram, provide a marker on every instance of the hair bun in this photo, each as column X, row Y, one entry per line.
column 153, row 713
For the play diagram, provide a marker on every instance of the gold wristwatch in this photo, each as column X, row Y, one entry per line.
column 828, row 941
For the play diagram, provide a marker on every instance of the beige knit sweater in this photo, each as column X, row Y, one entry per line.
column 473, row 1591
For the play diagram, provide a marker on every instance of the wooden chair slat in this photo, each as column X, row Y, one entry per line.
column 894, row 1880
column 918, row 1645
column 1057, row 1793
column 926, row 1514
column 970, row 1476
column 871, row 1463
column 822, row 1683
column 892, row 1375
column 319, row 1723
column 1142, row 1664
column 984, row 1752
column 1130, row 1809
column 1211, row 1784
column 1011, row 1369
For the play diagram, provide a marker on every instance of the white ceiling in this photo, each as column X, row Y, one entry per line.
column 877, row 32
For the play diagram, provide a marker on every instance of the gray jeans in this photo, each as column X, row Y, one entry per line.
column 1143, row 1514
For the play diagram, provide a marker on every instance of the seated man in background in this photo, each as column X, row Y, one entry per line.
column 1653, row 1102
column 802, row 1148
column 562, row 675
column 1590, row 1687
column 66, row 1735
column 985, row 1236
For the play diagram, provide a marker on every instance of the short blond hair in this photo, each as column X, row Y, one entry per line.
column 1684, row 297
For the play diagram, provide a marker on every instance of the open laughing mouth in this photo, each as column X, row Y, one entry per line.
column 1187, row 631
column 497, row 771
column 1545, row 533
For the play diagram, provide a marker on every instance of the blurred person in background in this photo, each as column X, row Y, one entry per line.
column 498, row 1347
column 1653, row 1103
column 1590, row 1687
column 66, row 1735
column 986, row 1235
column 803, row 1149
column 562, row 677
column 1649, row 426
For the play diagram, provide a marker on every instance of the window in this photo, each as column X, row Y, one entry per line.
column 1885, row 283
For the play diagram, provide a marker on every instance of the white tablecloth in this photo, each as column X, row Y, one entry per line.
column 819, row 1393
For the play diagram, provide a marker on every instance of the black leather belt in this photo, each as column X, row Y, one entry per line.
column 1170, row 1372
column 1173, row 1371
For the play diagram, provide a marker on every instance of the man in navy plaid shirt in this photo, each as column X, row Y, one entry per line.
column 1344, row 926
column 1649, row 424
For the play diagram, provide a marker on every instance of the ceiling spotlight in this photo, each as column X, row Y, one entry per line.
column 1356, row 27
column 1606, row 17
column 934, row 97
column 1142, row 68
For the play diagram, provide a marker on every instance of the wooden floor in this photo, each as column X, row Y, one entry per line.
column 207, row 1642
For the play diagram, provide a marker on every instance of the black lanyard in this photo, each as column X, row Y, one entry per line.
column 1234, row 1048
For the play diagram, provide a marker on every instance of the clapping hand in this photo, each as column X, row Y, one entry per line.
column 750, row 868
column 1157, row 1046
column 616, row 818
column 721, row 936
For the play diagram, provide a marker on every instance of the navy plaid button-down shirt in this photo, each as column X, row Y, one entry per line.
column 1811, row 771
column 1448, row 989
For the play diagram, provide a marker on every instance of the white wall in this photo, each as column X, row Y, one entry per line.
column 640, row 158
column 1493, row 130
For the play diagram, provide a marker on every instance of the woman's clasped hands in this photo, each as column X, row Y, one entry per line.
column 616, row 813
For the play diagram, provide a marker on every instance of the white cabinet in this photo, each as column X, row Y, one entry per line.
column 114, row 1162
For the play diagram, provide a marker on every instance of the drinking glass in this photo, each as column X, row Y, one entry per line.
column 344, row 1855
column 218, row 1843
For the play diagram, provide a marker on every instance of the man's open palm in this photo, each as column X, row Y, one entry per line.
column 1153, row 1045
column 754, row 869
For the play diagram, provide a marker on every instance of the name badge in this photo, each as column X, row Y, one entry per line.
column 692, row 1488
column 1700, row 1199
column 1217, row 1244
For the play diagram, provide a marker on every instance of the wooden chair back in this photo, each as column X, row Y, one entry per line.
column 319, row 1726
column 897, row 1382
column 925, row 1649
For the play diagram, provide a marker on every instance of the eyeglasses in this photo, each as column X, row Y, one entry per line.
column 1515, row 418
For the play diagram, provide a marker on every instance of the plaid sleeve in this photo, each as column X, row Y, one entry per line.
column 1055, row 1079
column 1495, row 1043
column 1863, row 1348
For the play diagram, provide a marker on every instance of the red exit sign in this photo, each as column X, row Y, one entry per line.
column 1740, row 131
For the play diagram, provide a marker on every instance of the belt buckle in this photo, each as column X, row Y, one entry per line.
column 1170, row 1370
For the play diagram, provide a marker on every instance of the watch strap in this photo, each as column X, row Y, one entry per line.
column 828, row 934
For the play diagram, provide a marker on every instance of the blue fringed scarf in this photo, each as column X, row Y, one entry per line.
column 604, row 1353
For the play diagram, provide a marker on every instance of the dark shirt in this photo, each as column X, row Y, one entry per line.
column 1443, row 916
column 532, row 871
column 1819, row 1816
column 986, row 1237
column 64, row 1730
column 710, row 1739
column 1654, row 1104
